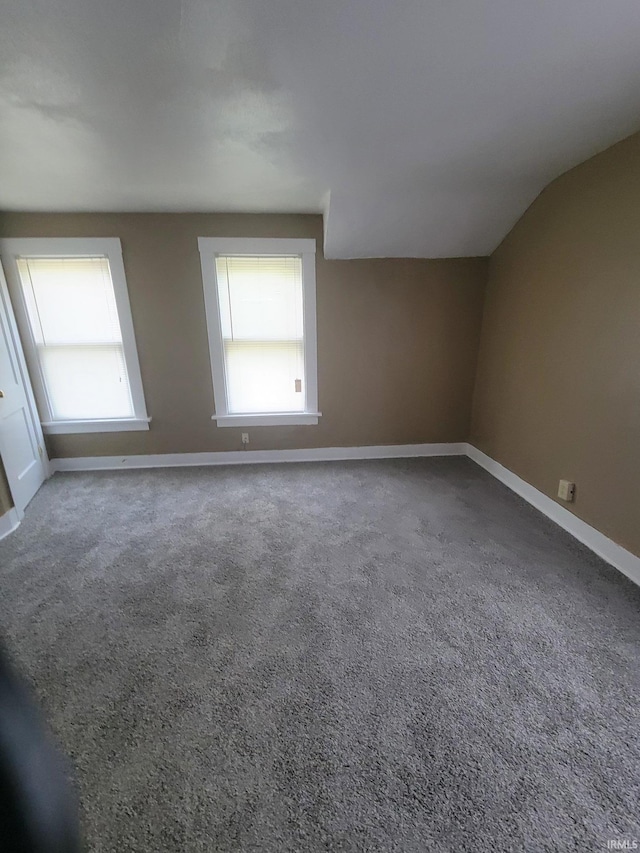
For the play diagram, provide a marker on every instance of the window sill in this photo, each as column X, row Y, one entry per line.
column 106, row 425
column 275, row 419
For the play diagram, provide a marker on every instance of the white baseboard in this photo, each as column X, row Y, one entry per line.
column 248, row 457
column 8, row 522
column 614, row 554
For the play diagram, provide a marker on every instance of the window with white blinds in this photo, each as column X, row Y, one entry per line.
column 260, row 302
column 78, row 350
column 260, row 308
column 74, row 320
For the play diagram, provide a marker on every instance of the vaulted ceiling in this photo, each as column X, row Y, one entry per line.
column 419, row 127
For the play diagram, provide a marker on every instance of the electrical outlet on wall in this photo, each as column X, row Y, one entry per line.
column 245, row 438
column 566, row 490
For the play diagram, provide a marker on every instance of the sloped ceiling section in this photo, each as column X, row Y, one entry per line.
column 420, row 127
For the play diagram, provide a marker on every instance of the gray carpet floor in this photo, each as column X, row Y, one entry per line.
column 359, row 656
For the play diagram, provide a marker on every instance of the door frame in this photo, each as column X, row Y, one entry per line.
column 7, row 310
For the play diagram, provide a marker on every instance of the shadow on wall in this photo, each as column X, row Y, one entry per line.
column 6, row 501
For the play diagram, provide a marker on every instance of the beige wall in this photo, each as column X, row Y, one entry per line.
column 558, row 385
column 397, row 339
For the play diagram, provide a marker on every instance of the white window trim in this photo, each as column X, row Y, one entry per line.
column 210, row 247
column 11, row 249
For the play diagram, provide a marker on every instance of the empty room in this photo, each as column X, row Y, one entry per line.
column 319, row 426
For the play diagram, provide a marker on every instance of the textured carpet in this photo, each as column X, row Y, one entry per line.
column 361, row 656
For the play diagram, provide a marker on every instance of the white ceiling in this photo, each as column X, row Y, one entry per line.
column 420, row 127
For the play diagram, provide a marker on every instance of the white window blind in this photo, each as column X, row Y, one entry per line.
column 74, row 321
column 262, row 325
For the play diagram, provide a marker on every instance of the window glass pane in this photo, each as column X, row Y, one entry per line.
column 85, row 382
column 72, row 300
column 74, row 319
column 261, row 377
column 261, row 317
column 260, row 298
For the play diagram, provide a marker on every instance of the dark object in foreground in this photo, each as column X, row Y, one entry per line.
column 37, row 805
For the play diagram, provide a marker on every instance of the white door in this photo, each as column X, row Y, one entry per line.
column 21, row 442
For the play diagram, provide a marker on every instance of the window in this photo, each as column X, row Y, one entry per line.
column 260, row 299
column 70, row 297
